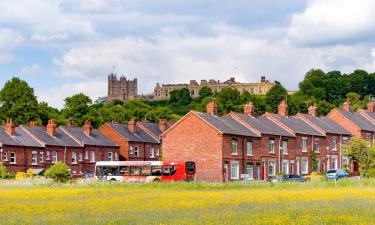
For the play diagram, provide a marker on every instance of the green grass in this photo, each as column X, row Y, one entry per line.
column 343, row 202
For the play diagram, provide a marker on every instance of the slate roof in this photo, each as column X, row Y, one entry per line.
column 153, row 127
column 358, row 119
column 96, row 138
column 265, row 125
column 327, row 124
column 368, row 113
column 139, row 135
column 61, row 138
column 227, row 125
column 298, row 125
column 21, row 138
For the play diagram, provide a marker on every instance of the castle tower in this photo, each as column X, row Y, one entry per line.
column 121, row 89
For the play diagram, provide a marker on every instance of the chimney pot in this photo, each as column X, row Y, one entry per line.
column 163, row 125
column 51, row 127
column 371, row 105
column 211, row 108
column 87, row 128
column 347, row 106
column 10, row 128
column 313, row 110
column 283, row 108
column 132, row 125
column 249, row 109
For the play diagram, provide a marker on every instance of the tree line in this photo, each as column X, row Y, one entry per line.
column 327, row 90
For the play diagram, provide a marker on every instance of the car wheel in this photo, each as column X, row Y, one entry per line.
column 157, row 180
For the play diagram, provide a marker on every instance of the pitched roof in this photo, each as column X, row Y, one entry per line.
column 20, row 138
column 264, row 125
column 297, row 125
column 326, row 124
column 368, row 113
column 358, row 120
column 61, row 138
column 139, row 135
column 96, row 138
column 153, row 127
column 227, row 125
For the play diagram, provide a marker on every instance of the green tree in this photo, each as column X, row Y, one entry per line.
column 314, row 161
column 205, row 92
column 59, row 172
column 359, row 151
column 274, row 97
column 17, row 101
column 228, row 99
column 76, row 107
column 180, row 96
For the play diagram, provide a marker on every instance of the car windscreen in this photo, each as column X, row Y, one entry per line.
column 331, row 171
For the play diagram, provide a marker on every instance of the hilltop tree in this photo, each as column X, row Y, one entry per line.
column 228, row 99
column 76, row 107
column 205, row 92
column 180, row 96
column 274, row 97
column 17, row 101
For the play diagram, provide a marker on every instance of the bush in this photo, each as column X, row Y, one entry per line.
column 5, row 174
column 58, row 172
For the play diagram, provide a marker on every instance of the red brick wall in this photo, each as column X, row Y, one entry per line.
column 344, row 122
column 194, row 140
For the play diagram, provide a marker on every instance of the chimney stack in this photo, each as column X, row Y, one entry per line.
column 87, row 128
column 33, row 123
column 10, row 128
column 371, row 105
column 132, row 125
column 347, row 106
column 212, row 108
column 163, row 125
column 313, row 110
column 51, row 127
column 283, row 108
column 249, row 109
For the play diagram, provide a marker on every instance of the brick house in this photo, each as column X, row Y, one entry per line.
column 335, row 138
column 18, row 147
column 268, row 157
column 358, row 123
column 97, row 147
column 220, row 146
column 135, row 143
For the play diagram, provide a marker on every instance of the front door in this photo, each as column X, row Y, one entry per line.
column 257, row 172
column 226, row 171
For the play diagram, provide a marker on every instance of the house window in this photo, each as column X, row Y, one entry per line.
column 271, row 168
column 250, row 170
column 249, row 151
column 157, row 152
column 13, row 158
column 131, row 150
column 110, row 155
column 116, row 156
column 345, row 162
column 92, row 156
column 304, row 144
column 368, row 139
column 80, row 157
column 345, row 141
column 48, row 157
column 285, row 147
column 304, row 166
column 136, row 151
column 152, row 153
column 234, row 170
column 5, row 156
column 334, row 143
column 74, row 158
column 318, row 165
column 34, row 159
column 285, row 166
column 316, row 145
column 334, row 162
column 234, row 147
column 86, row 155
column 271, row 146
column 41, row 157
column 54, row 156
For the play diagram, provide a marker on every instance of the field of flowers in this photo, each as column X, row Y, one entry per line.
column 346, row 202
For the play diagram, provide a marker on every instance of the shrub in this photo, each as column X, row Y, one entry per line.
column 58, row 172
column 4, row 173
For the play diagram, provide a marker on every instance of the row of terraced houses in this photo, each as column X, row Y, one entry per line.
column 223, row 147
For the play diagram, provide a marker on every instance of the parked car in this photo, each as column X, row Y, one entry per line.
column 286, row 178
column 336, row 174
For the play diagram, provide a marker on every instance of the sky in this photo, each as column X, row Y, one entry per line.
column 64, row 47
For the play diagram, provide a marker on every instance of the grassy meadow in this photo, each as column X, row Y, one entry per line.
column 344, row 202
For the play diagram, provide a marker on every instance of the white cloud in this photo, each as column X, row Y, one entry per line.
column 333, row 21
column 6, row 57
column 31, row 70
column 10, row 39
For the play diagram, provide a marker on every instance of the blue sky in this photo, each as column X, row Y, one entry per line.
column 66, row 47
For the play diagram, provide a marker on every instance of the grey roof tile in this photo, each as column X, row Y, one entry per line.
column 327, row 124
column 21, row 138
column 96, row 138
column 298, row 125
column 265, row 125
column 153, row 127
column 359, row 120
column 227, row 125
column 139, row 135
column 61, row 138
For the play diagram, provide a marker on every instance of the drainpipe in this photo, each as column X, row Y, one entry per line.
column 144, row 151
column 243, row 154
column 65, row 155
column 280, row 154
column 340, row 155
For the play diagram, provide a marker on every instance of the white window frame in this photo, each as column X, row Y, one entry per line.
column 271, row 142
column 334, row 159
column 250, row 170
column 285, row 147
column 346, row 160
column 14, row 157
column 234, row 146
column 249, row 148
column 345, row 141
column 92, row 156
column 48, row 155
column 157, row 151
column 271, row 162
column 80, row 157
column 116, row 156
column 5, row 156
column 334, row 144
column 234, row 170
column 152, row 153
column 41, row 157
column 285, row 162
column 131, row 152
column 318, row 168
column 316, row 140
column 110, row 156
column 86, row 155
column 34, row 153
column 304, row 144
column 306, row 170
column 136, row 151
column 54, row 157
column 74, row 158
